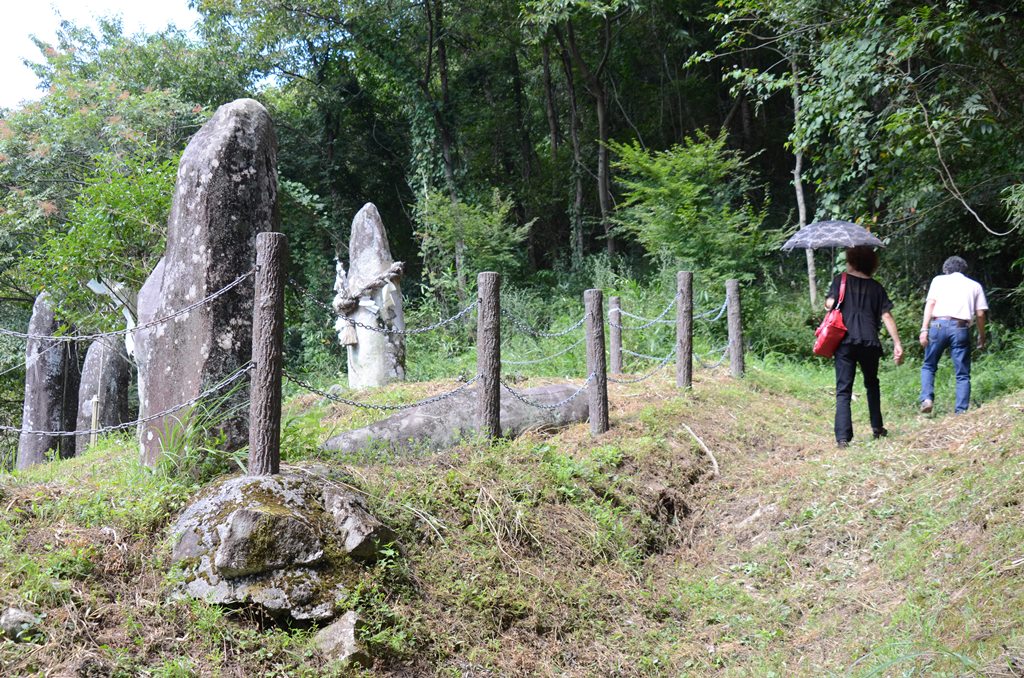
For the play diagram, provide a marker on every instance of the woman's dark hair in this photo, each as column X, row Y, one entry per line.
column 954, row 264
column 863, row 259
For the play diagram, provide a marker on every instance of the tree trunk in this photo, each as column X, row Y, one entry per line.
column 798, row 186
column 549, row 103
column 576, row 211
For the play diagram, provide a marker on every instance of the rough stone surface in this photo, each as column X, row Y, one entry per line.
column 374, row 358
column 255, row 540
column 17, row 624
column 51, row 390
column 442, row 424
column 338, row 641
column 226, row 193
column 266, row 540
column 361, row 534
column 105, row 376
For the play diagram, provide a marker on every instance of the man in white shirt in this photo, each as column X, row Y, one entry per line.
column 954, row 302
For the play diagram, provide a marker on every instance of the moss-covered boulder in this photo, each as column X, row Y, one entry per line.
column 288, row 542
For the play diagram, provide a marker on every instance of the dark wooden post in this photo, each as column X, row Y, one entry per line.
column 267, row 343
column 684, row 329
column 488, row 354
column 732, row 296
column 615, row 335
column 598, row 390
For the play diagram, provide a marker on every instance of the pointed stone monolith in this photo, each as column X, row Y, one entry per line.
column 226, row 193
column 104, row 388
column 371, row 296
column 51, row 390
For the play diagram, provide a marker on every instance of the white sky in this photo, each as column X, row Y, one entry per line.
column 22, row 18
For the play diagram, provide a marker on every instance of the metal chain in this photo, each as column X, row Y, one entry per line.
column 650, row 321
column 373, row 406
column 642, row 355
column 717, row 363
column 235, row 376
column 523, row 327
column 382, row 330
column 545, row 359
column 152, row 323
column 664, row 361
column 532, row 403
column 418, row 330
column 721, row 312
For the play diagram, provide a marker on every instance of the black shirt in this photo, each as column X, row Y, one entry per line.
column 863, row 305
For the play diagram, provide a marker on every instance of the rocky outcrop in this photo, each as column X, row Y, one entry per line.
column 370, row 295
column 105, row 377
column 286, row 542
column 226, row 193
column 51, row 390
column 442, row 424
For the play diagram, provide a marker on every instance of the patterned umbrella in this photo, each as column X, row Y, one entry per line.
column 831, row 233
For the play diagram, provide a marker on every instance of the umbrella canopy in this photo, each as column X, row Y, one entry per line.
column 832, row 233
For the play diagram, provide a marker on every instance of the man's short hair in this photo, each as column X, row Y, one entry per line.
column 863, row 259
column 954, row 264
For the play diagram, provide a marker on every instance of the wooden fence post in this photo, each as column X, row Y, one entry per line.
column 615, row 335
column 488, row 354
column 684, row 329
column 267, row 348
column 732, row 296
column 598, row 390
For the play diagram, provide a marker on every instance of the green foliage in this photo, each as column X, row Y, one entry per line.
column 481, row 233
column 695, row 202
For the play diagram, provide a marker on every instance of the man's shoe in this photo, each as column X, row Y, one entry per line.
column 879, row 432
column 841, row 444
column 926, row 406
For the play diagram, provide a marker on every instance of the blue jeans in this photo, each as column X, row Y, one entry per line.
column 943, row 334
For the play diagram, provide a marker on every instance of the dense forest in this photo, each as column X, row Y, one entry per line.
column 565, row 143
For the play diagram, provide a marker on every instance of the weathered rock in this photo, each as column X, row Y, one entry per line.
column 255, row 540
column 338, row 641
column 370, row 294
column 226, row 193
column 105, row 377
column 361, row 534
column 442, row 424
column 266, row 540
column 51, row 390
column 17, row 624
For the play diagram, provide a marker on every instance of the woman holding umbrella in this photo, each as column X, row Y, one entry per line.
column 865, row 305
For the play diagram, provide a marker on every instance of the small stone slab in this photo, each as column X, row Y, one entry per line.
column 361, row 534
column 339, row 641
column 17, row 624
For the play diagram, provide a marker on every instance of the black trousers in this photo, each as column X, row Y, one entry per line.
column 847, row 358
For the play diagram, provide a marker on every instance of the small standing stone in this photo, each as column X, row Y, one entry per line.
column 105, row 377
column 17, row 624
column 370, row 295
column 338, row 641
column 51, row 390
column 226, row 193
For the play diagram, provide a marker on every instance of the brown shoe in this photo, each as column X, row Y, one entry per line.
column 926, row 406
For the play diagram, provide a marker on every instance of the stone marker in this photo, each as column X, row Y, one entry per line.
column 105, row 376
column 370, row 294
column 338, row 641
column 442, row 424
column 226, row 193
column 51, row 390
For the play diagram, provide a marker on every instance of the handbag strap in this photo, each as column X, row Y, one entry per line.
column 842, row 289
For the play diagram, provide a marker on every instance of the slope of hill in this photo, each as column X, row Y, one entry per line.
column 567, row 555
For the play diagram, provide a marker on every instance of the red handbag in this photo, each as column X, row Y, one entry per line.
column 832, row 329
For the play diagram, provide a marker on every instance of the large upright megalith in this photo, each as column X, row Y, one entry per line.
column 226, row 193
column 51, row 390
column 370, row 296
column 103, row 392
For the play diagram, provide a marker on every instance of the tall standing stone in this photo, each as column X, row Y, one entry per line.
column 370, row 295
column 226, row 193
column 51, row 390
column 104, row 387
